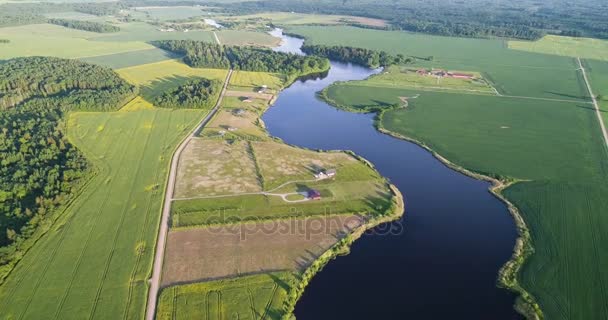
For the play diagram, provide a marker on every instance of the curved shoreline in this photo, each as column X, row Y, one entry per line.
column 507, row 275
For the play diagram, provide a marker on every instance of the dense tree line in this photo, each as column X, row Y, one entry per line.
column 524, row 19
column 210, row 55
column 14, row 14
column 194, row 94
column 39, row 168
column 85, row 25
column 4, row 41
column 361, row 56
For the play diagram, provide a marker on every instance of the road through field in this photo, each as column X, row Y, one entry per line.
column 164, row 223
column 594, row 100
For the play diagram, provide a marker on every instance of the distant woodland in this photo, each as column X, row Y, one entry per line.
column 361, row 56
column 523, row 19
column 85, row 25
column 39, row 167
column 209, row 55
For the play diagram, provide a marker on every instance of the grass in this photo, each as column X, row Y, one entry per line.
column 512, row 72
column 131, row 59
column 287, row 18
column 255, row 80
column 247, row 38
column 166, row 13
column 216, row 167
column 203, row 254
column 140, row 31
column 96, row 261
column 156, row 78
column 406, row 77
column 565, row 46
column 251, row 297
column 555, row 148
column 52, row 40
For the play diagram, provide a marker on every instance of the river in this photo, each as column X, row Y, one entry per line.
column 443, row 260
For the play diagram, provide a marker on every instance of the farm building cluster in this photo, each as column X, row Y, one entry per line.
column 325, row 174
column 440, row 73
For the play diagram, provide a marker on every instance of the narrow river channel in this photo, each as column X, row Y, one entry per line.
column 455, row 235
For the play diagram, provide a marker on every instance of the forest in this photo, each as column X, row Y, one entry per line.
column 40, row 168
column 524, row 19
column 14, row 14
column 85, row 25
column 194, row 94
column 365, row 57
column 209, row 55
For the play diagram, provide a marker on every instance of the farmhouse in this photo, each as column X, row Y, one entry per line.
column 314, row 194
column 325, row 174
column 263, row 89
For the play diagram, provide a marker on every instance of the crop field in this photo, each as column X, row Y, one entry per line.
column 256, row 80
column 74, row 15
column 156, row 78
column 214, row 167
column 143, row 32
column 512, row 72
column 96, row 260
column 200, row 254
column 247, row 38
column 407, row 77
column 287, row 18
column 166, row 13
column 132, row 58
column 553, row 144
column 57, row 41
column 565, row 46
column 249, row 297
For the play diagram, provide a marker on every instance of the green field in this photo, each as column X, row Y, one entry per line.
column 140, row 31
column 251, row 297
column 165, row 13
column 131, row 59
column 156, row 78
column 96, row 260
column 512, row 72
column 565, row 46
column 291, row 18
column 247, row 38
column 554, row 147
column 53, row 40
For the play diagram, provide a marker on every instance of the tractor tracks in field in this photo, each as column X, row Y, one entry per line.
column 164, row 223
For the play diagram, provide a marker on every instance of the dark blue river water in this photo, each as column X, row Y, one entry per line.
column 455, row 237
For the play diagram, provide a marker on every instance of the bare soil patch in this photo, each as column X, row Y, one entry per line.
column 215, row 167
column 216, row 252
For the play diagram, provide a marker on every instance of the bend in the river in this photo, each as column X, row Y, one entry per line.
column 444, row 259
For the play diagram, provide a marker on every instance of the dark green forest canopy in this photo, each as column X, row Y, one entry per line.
column 85, row 25
column 208, row 55
column 365, row 57
column 194, row 94
column 524, row 19
column 39, row 168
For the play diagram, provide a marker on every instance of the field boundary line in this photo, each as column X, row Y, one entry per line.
column 594, row 101
column 164, row 222
column 217, row 39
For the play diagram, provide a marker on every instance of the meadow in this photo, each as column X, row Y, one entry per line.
column 565, row 46
column 247, row 38
column 250, row 297
column 291, row 18
column 256, row 80
column 156, row 78
column 547, row 138
column 96, row 260
column 53, row 40
column 132, row 58
column 203, row 254
column 512, row 72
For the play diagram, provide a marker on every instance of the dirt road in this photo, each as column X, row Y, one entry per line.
column 164, row 223
column 595, row 104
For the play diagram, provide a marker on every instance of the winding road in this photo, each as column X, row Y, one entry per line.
column 164, row 223
column 598, row 112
